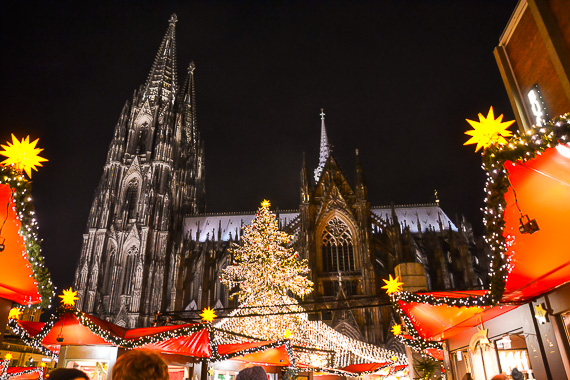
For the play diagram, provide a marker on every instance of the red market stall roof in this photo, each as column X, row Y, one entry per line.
column 540, row 261
column 276, row 356
column 365, row 367
column 17, row 281
column 195, row 344
column 436, row 322
column 72, row 328
column 73, row 332
column 24, row 373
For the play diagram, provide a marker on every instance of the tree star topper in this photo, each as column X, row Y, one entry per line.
column 488, row 131
column 208, row 314
column 68, row 298
column 22, row 154
column 14, row 313
column 265, row 203
column 392, row 285
column 8, row 356
column 396, row 329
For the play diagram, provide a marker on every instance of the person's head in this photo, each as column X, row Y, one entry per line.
column 252, row 373
column 140, row 365
column 67, row 374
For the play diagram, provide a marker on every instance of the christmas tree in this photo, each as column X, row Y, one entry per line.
column 265, row 270
column 267, row 276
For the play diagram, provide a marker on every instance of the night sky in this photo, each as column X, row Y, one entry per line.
column 396, row 79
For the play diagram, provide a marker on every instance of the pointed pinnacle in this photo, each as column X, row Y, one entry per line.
column 191, row 67
column 173, row 19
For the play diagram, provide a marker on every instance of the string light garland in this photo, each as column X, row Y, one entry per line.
column 521, row 147
column 29, row 231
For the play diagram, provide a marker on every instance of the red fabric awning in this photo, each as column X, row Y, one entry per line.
column 277, row 356
column 541, row 261
column 196, row 344
column 72, row 331
column 365, row 367
column 441, row 322
column 148, row 331
column 17, row 282
column 14, row 373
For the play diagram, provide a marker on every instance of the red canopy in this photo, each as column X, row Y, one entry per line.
column 540, row 260
column 440, row 322
column 17, row 282
column 365, row 367
column 196, row 344
column 24, row 373
column 277, row 356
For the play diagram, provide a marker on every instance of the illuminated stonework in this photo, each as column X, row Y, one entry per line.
column 153, row 176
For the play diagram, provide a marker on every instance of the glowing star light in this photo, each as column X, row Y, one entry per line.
column 392, row 285
column 396, row 329
column 68, row 298
column 23, row 154
column 488, row 131
column 265, row 203
column 8, row 356
column 14, row 313
column 208, row 315
column 287, row 334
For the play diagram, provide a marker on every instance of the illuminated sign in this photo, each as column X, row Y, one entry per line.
column 537, row 106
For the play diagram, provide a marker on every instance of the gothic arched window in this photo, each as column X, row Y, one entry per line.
column 131, row 198
column 337, row 247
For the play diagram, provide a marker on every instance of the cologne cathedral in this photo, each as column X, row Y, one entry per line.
column 150, row 248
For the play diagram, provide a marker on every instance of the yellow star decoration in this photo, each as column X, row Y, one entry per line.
column 8, row 356
column 488, row 131
column 265, row 203
column 396, row 329
column 208, row 314
column 394, row 358
column 14, row 313
column 392, row 285
column 23, row 154
column 287, row 334
column 68, row 298
column 42, row 364
column 540, row 311
column 211, row 371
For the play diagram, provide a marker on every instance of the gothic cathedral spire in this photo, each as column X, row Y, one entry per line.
column 162, row 80
column 325, row 148
column 153, row 177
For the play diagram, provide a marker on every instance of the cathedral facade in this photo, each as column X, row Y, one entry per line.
column 150, row 248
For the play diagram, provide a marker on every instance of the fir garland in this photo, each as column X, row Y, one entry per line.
column 29, row 231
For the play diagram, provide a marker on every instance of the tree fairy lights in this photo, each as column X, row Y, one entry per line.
column 265, row 275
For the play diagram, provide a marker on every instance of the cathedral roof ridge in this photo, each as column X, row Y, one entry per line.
column 234, row 213
column 408, row 205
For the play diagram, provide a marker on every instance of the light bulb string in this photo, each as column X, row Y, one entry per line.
column 7, row 209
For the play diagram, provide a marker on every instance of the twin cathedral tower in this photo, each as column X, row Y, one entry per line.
column 149, row 247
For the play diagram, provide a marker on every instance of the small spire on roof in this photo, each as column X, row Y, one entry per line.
column 325, row 148
column 436, row 197
column 191, row 67
column 173, row 19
